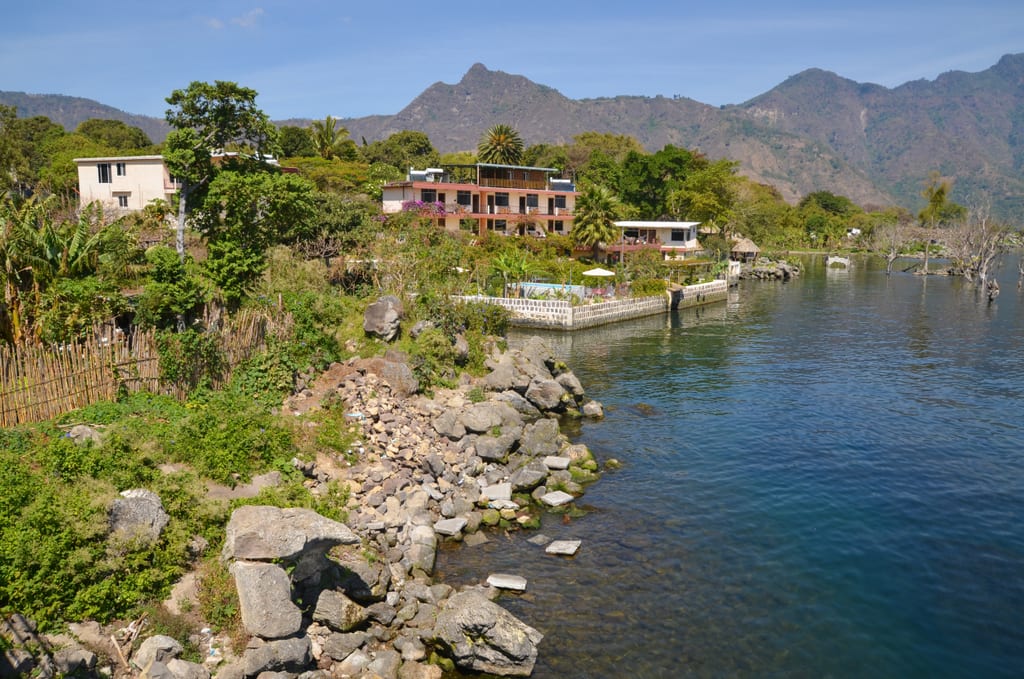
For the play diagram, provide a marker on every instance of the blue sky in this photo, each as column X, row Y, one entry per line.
column 311, row 58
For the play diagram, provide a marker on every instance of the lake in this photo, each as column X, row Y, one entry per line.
column 823, row 477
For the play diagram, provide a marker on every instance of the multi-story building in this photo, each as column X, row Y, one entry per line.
column 509, row 199
column 124, row 182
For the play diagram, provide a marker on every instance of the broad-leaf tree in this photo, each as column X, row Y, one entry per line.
column 597, row 208
column 114, row 133
column 208, row 119
column 501, row 145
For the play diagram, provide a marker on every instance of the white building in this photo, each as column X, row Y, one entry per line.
column 124, row 182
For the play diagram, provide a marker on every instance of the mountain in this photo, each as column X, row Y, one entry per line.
column 68, row 112
column 814, row 131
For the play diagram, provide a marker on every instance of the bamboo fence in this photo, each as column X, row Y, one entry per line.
column 41, row 382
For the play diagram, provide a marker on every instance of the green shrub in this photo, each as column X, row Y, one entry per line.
column 648, row 287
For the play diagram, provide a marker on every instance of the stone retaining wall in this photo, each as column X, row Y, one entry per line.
column 560, row 314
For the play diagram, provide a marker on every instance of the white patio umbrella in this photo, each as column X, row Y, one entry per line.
column 598, row 272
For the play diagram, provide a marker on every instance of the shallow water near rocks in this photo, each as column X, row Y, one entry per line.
column 820, row 478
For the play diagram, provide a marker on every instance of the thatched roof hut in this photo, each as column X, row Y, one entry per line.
column 743, row 250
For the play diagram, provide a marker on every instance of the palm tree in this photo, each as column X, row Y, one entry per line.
column 501, row 145
column 327, row 135
column 597, row 208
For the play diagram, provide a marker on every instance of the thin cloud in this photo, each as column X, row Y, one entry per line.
column 215, row 24
column 249, row 19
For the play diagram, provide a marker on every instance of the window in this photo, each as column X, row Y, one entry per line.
column 531, row 200
column 122, row 169
column 122, row 200
column 104, row 172
column 682, row 235
column 428, row 195
column 501, row 199
column 463, row 198
column 560, row 201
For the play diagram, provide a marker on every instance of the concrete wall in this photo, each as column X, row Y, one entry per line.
column 559, row 314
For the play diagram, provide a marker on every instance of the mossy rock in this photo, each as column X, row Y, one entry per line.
column 491, row 517
column 580, row 475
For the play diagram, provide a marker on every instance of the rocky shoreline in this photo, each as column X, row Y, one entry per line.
column 320, row 598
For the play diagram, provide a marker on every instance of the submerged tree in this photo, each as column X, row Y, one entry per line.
column 501, row 145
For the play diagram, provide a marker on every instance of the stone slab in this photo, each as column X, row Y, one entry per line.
column 505, row 581
column 540, row 539
column 450, row 526
column 557, row 498
column 498, row 491
column 564, row 547
column 556, row 462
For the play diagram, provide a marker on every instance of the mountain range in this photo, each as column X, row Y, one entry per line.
column 814, row 131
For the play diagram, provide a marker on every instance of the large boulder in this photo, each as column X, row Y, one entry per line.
column 482, row 636
column 383, row 318
column 264, row 596
column 138, row 515
column 396, row 373
column 281, row 655
column 546, row 394
column 263, row 533
column 541, row 438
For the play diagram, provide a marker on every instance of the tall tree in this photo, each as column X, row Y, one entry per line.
column 114, row 133
column 501, row 145
column 597, row 208
column 402, row 150
column 208, row 119
column 330, row 139
column 296, row 142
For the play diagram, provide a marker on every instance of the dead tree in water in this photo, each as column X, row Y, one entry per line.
column 1020, row 273
column 974, row 243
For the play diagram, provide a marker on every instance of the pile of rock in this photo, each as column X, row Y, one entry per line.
column 322, row 599
column 768, row 270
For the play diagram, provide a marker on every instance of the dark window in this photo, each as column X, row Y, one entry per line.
column 463, row 198
column 531, row 200
column 501, row 199
column 428, row 195
column 122, row 169
column 560, row 201
column 122, row 200
column 104, row 172
column 680, row 235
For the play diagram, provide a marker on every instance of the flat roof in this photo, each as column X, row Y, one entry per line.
column 656, row 225
column 119, row 158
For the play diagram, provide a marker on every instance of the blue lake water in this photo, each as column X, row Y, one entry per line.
column 821, row 478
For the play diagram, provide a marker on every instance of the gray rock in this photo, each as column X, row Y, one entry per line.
column 418, row 670
column 546, row 394
column 264, row 596
column 417, row 329
column 339, row 646
column 541, row 438
column 71, row 660
column 353, row 665
column 280, row 655
column 518, row 402
column 481, row 636
column 338, row 612
column 461, row 349
column 157, row 670
column 157, row 648
column 383, row 318
column 386, row 664
column 182, row 669
column 381, row 612
column 396, row 373
column 479, row 418
column 448, row 424
column 16, row 662
column 529, row 476
column 593, row 409
column 263, row 533
column 138, row 515
column 82, row 434
column 423, row 551
column 570, row 383
column 493, row 448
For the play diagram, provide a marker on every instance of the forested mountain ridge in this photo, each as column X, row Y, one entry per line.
column 814, row 131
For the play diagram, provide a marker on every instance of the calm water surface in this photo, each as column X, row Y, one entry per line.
column 821, row 478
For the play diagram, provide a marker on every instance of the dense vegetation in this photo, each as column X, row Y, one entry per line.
column 315, row 246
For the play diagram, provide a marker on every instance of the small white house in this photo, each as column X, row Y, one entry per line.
column 675, row 240
column 124, row 182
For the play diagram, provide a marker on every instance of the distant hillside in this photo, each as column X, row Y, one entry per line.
column 815, row 131
column 68, row 112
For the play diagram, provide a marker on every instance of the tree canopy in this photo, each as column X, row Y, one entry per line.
column 501, row 145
